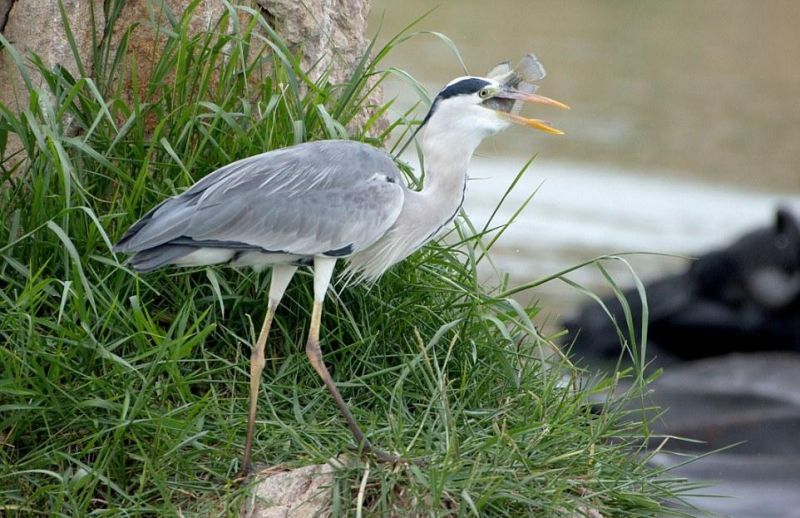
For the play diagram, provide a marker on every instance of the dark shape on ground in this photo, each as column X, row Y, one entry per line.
column 745, row 297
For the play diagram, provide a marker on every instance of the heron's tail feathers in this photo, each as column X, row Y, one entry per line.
column 158, row 257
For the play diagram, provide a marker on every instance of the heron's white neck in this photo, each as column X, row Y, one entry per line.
column 447, row 150
column 448, row 141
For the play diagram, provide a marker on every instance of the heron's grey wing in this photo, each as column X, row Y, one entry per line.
column 318, row 221
column 309, row 199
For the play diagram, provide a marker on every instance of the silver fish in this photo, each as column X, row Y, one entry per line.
column 521, row 78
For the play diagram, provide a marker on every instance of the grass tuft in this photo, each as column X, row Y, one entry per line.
column 127, row 395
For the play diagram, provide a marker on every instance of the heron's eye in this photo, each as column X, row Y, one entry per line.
column 483, row 94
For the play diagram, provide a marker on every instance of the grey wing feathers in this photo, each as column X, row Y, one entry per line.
column 305, row 200
column 154, row 258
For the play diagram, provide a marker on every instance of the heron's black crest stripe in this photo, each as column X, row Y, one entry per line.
column 466, row 86
column 469, row 85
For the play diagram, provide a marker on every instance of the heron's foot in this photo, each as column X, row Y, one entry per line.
column 389, row 458
column 314, row 354
column 247, row 472
column 256, row 471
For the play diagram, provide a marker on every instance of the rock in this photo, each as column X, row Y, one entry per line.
column 742, row 486
column 744, row 297
column 5, row 7
column 768, row 375
column 34, row 26
column 299, row 493
column 329, row 35
column 143, row 18
column 752, row 399
column 748, row 406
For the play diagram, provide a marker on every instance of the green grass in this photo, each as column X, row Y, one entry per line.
column 127, row 395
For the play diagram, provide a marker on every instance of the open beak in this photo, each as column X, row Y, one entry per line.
column 508, row 93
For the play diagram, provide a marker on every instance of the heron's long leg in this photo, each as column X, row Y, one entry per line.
column 323, row 268
column 281, row 275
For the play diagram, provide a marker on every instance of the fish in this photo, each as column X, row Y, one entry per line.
column 521, row 78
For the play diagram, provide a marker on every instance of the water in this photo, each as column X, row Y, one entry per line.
column 582, row 211
column 684, row 132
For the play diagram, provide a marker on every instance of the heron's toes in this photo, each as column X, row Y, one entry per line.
column 390, row 458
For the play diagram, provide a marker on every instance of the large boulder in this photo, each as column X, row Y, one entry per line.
column 329, row 35
column 35, row 26
column 744, row 297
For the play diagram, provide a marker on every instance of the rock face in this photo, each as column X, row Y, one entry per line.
column 329, row 34
column 5, row 7
column 35, row 26
column 744, row 297
column 141, row 18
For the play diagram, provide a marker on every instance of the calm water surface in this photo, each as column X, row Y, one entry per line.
column 684, row 129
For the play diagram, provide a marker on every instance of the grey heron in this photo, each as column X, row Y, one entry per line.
column 316, row 203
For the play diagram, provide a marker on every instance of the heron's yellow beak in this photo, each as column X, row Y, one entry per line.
column 533, row 123
column 530, row 98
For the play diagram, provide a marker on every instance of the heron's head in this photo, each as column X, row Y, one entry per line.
column 477, row 107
